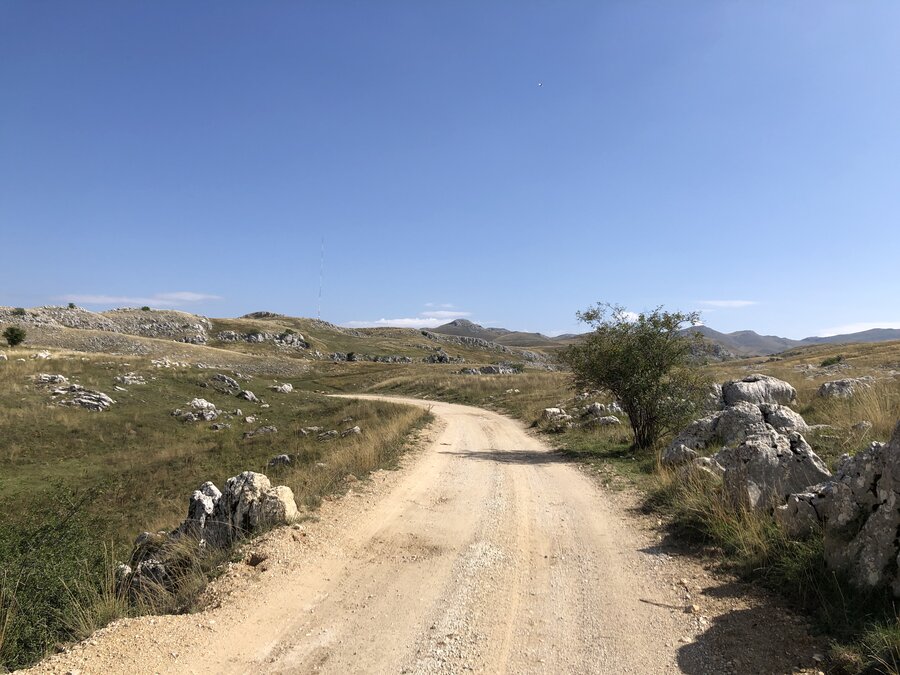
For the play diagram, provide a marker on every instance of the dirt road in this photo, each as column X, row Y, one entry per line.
column 484, row 553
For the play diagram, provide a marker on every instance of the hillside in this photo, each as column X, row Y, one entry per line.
column 259, row 334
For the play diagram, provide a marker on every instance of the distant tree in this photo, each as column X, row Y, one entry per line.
column 71, row 305
column 14, row 335
column 145, row 308
column 643, row 360
column 19, row 311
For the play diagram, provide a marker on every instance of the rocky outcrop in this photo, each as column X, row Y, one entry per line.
column 130, row 378
column 279, row 461
column 77, row 396
column 285, row 388
column 248, row 395
column 440, row 356
column 229, row 382
column 859, row 511
column 248, row 504
column 201, row 410
column 845, row 388
column 601, row 409
column 352, row 431
column 765, row 468
column 262, row 431
column 285, row 339
column 758, row 389
column 762, row 454
column 50, row 378
column 497, row 369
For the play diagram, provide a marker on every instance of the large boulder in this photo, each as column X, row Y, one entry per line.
column 767, row 467
column 782, row 418
column 758, row 389
column 248, row 504
column 859, row 510
column 845, row 388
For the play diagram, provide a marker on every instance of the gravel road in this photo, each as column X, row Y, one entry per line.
column 486, row 552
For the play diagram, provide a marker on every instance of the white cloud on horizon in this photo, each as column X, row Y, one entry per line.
column 445, row 314
column 429, row 319
column 728, row 304
column 442, row 305
column 174, row 299
column 858, row 327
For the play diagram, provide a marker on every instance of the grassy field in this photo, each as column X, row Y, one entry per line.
column 76, row 482
column 77, row 486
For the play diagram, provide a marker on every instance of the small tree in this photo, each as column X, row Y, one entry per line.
column 71, row 305
column 14, row 335
column 145, row 308
column 643, row 360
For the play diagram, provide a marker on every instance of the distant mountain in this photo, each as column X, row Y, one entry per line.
column 466, row 328
column 746, row 342
column 740, row 343
column 872, row 335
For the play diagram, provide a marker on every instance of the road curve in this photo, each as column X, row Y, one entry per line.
column 487, row 553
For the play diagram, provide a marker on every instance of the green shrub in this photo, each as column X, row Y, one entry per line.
column 71, row 305
column 19, row 311
column 145, row 308
column 14, row 335
column 831, row 360
column 643, row 360
column 47, row 567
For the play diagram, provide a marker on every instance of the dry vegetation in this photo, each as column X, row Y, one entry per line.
column 77, row 486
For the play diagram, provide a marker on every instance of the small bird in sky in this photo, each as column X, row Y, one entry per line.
column 540, row 84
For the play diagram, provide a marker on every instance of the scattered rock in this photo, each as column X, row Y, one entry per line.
column 48, row 378
column 78, row 396
column 248, row 395
column 130, row 378
column 862, row 427
column 279, row 461
column 261, row 431
column 3, row 356
column 202, row 404
column 285, row 388
column 41, row 355
column 229, row 382
column 845, row 388
column 354, row 431
column 327, row 435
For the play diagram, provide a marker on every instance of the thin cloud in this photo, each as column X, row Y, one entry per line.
column 430, row 319
column 174, row 299
column 729, row 304
column 442, row 305
column 858, row 327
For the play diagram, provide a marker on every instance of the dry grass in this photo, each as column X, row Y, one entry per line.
column 75, row 480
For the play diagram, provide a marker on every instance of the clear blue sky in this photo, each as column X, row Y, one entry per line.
column 512, row 162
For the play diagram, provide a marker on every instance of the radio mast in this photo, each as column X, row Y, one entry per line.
column 321, row 279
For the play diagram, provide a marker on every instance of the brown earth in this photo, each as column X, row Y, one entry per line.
column 486, row 552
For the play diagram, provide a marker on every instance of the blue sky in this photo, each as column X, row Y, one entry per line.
column 509, row 162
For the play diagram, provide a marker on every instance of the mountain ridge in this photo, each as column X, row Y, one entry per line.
column 740, row 342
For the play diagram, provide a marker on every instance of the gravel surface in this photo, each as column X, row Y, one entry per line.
column 485, row 552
